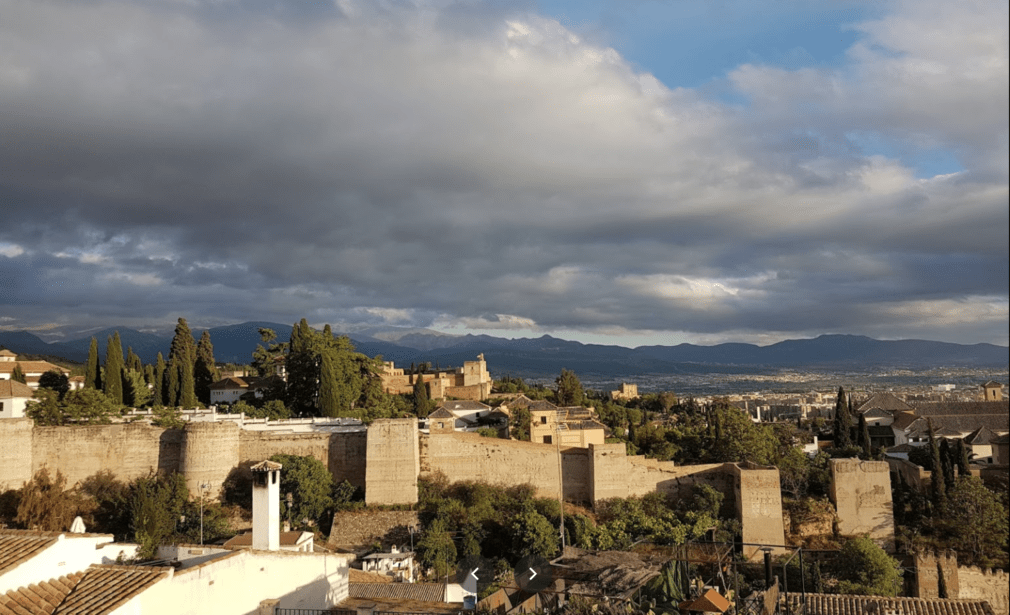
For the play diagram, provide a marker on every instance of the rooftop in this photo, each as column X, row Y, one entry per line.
column 843, row 604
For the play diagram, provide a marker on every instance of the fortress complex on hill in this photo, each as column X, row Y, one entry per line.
column 472, row 381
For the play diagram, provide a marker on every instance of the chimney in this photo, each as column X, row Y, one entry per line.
column 266, row 491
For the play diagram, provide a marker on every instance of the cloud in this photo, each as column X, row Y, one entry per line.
column 418, row 164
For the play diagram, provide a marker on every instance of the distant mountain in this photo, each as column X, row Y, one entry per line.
column 545, row 356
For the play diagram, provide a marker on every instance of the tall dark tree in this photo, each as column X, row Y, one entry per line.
column 843, row 421
column 158, row 385
column 181, row 357
column 329, row 404
column 422, row 401
column 133, row 361
column 113, row 377
column 302, row 366
column 568, row 389
column 963, row 464
column 18, row 375
column 205, row 369
column 55, row 380
column 937, row 483
column 948, row 461
column 91, row 369
column 864, row 437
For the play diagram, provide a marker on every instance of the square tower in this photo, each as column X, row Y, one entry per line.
column 266, row 492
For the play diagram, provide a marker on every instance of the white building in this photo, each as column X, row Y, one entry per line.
column 13, row 397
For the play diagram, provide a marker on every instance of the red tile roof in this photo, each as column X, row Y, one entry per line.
column 102, row 589
column 844, row 604
column 39, row 598
column 20, row 546
column 12, row 388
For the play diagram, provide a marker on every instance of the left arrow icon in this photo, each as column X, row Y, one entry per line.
column 473, row 573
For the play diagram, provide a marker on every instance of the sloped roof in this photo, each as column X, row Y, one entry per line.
column 845, row 604
column 265, row 466
column 30, row 367
column 20, row 546
column 884, row 401
column 981, row 436
column 992, row 384
column 876, row 412
column 103, row 588
column 360, row 576
column 287, row 539
column 935, row 408
column 13, row 388
column 709, row 602
column 441, row 413
column 903, row 419
column 425, row 592
column 1004, row 439
column 464, row 404
column 231, row 382
column 7, row 353
column 39, row 598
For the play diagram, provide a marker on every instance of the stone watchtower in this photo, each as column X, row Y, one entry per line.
column 992, row 391
column 266, row 492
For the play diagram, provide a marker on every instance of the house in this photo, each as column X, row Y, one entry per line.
column 32, row 370
column 992, row 391
column 396, row 564
column 231, row 389
column 462, row 415
column 570, row 426
column 13, row 397
column 625, row 391
column 28, row 557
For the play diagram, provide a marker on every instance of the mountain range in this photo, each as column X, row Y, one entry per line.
column 545, row 356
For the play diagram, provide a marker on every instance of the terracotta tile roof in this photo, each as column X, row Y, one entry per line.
column 874, row 412
column 980, row 436
column 288, row 539
column 884, row 401
column 1004, row 439
column 231, row 382
column 102, row 589
column 841, row 604
column 710, row 602
column 962, row 407
column 903, row 419
column 360, row 576
column 399, row 605
column 441, row 413
column 30, row 367
column 464, row 404
column 12, row 388
column 7, row 353
column 425, row 592
column 20, row 546
column 39, row 598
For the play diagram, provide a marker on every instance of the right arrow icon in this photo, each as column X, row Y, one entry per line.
column 533, row 573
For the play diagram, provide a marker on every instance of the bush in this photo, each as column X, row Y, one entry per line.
column 865, row 569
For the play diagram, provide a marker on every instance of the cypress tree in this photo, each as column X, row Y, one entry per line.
column 149, row 374
column 963, row 464
column 303, row 369
column 816, row 580
column 159, row 382
column 205, row 369
column 421, row 403
column 113, row 380
column 328, row 402
column 91, row 369
column 843, row 422
column 133, row 361
column 18, row 376
column 864, row 437
column 181, row 357
column 949, row 461
column 937, row 483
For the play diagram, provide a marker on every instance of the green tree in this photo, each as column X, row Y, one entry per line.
column 17, row 375
column 158, row 384
column 91, row 371
column 937, row 483
column 45, row 503
column 737, row 438
column 133, row 361
column 865, row 569
column 265, row 358
column 80, row 406
column 311, row 486
column 109, row 512
column 519, row 424
column 864, row 437
column 533, row 534
column 113, row 377
column 963, row 464
column 435, row 548
column 136, row 393
column 568, row 389
column 204, row 369
column 156, row 504
column 329, row 398
column 843, row 421
column 181, row 357
column 55, row 380
column 974, row 520
column 422, row 402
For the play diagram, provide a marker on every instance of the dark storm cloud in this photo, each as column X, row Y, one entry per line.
column 483, row 166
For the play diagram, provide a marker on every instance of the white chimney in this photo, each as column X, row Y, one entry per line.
column 266, row 506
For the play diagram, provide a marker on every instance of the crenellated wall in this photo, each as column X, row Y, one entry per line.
column 990, row 585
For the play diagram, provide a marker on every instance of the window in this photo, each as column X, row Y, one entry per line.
column 543, row 420
column 548, row 440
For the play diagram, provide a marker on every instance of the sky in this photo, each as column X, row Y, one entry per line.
column 623, row 172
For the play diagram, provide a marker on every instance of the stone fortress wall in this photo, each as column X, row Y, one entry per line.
column 386, row 461
column 861, row 492
column 961, row 582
